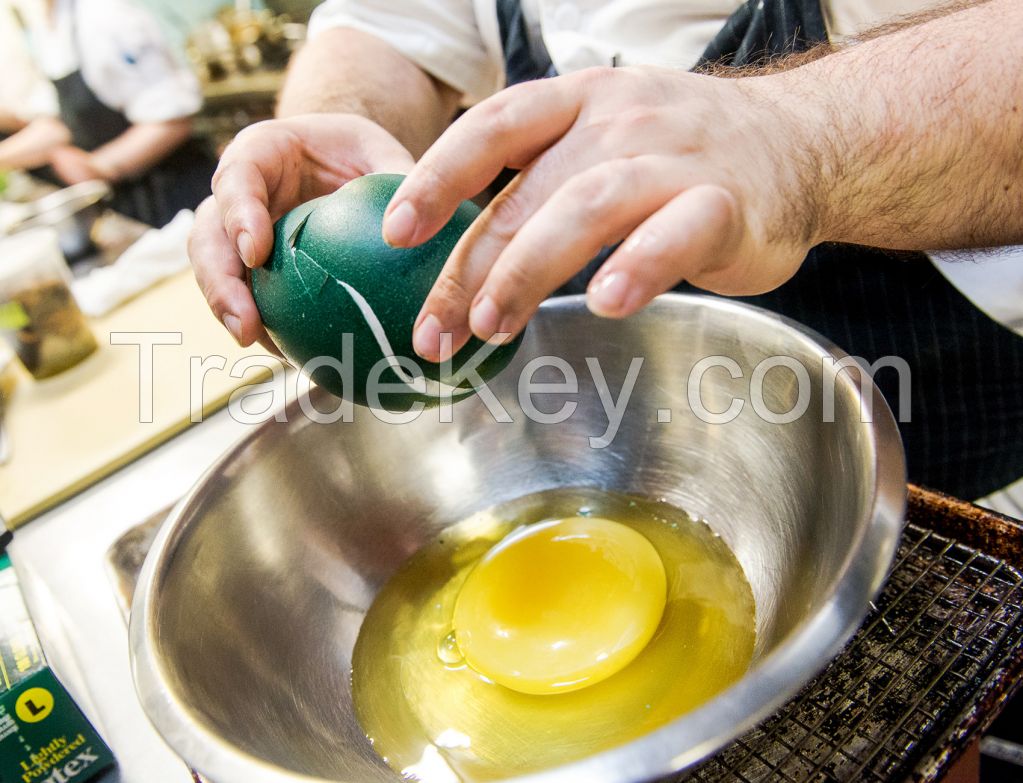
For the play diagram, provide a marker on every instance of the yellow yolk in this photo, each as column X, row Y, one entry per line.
column 560, row 605
column 431, row 716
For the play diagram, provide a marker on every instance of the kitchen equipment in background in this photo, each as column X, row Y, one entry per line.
column 299, row 10
column 251, row 599
column 71, row 212
column 243, row 40
column 38, row 314
column 241, row 57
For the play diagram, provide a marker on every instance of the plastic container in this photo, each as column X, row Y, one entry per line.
column 38, row 314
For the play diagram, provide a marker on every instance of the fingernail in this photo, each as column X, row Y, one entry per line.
column 426, row 338
column 484, row 318
column 400, row 226
column 606, row 296
column 234, row 326
column 247, row 249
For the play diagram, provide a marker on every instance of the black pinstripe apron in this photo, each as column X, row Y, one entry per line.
column 965, row 435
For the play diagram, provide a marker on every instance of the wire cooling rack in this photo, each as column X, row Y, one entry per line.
column 940, row 652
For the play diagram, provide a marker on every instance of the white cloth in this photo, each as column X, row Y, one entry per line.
column 122, row 53
column 442, row 38
column 991, row 278
column 157, row 254
column 847, row 18
column 458, row 41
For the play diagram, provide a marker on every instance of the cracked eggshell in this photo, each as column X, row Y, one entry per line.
column 331, row 274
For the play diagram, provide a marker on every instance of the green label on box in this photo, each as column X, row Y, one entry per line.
column 44, row 737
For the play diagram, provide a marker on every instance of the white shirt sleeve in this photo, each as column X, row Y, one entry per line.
column 442, row 38
column 128, row 63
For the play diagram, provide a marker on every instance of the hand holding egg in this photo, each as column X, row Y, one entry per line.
column 332, row 275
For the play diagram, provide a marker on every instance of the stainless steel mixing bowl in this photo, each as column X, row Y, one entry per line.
column 251, row 599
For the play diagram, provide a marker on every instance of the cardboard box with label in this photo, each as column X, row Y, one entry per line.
column 44, row 737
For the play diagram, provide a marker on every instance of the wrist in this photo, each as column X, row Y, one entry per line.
column 105, row 169
column 802, row 156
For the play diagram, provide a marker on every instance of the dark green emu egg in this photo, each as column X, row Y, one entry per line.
column 331, row 274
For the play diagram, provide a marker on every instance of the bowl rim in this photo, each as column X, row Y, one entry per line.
column 701, row 732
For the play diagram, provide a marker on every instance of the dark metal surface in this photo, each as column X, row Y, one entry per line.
column 930, row 668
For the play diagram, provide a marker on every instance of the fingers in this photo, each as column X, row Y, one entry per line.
column 274, row 166
column 509, row 129
column 693, row 237
column 591, row 210
column 267, row 170
column 448, row 303
column 515, row 256
column 222, row 276
column 241, row 192
column 350, row 146
column 689, row 235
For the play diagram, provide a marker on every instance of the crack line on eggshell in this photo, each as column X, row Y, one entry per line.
column 295, row 250
column 298, row 272
column 433, row 388
column 293, row 237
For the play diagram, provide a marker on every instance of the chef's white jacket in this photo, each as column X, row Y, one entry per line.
column 122, row 53
column 457, row 41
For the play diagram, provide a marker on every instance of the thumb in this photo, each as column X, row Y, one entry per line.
column 377, row 151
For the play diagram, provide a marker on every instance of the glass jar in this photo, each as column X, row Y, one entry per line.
column 38, row 314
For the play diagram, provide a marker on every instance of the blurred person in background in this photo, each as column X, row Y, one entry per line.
column 124, row 102
column 24, row 93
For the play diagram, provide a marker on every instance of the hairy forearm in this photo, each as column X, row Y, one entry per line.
column 914, row 139
column 140, row 147
column 346, row 70
column 31, row 146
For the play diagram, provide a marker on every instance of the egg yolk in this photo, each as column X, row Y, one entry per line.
column 560, row 605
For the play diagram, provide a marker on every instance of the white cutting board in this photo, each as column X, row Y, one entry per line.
column 69, row 431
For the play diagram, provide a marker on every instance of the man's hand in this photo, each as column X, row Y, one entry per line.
column 702, row 177
column 266, row 171
column 74, row 165
column 908, row 140
column 33, row 145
